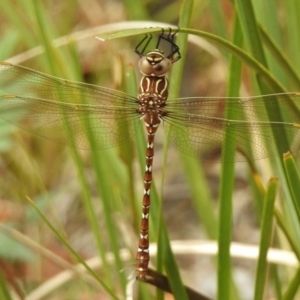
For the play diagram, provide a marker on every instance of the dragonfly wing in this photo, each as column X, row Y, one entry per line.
column 197, row 126
column 66, row 112
column 23, row 81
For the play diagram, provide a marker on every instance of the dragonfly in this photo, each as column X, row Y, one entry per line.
column 61, row 110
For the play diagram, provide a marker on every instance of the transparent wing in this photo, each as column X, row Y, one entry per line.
column 66, row 111
column 197, row 125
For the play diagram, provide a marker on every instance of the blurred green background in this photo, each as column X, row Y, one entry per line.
column 93, row 198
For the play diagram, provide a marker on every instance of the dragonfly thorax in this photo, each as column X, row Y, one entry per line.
column 154, row 64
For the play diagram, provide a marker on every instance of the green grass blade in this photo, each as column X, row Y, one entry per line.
column 273, row 84
column 250, row 29
column 193, row 172
column 289, row 234
column 265, row 239
column 57, row 65
column 252, row 37
column 51, row 52
column 164, row 248
column 138, row 147
column 87, row 200
column 201, row 196
column 74, row 253
column 287, row 68
column 185, row 15
column 293, row 180
column 219, row 18
column 19, row 18
column 4, row 290
column 226, row 183
column 268, row 20
column 251, row 32
column 171, row 267
column 292, row 9
column 293, row 287
column 178, row 289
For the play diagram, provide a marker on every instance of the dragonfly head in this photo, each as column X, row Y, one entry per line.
column 155, row 64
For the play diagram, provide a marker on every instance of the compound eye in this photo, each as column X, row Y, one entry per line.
column 163, row 67
column 154, row 69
